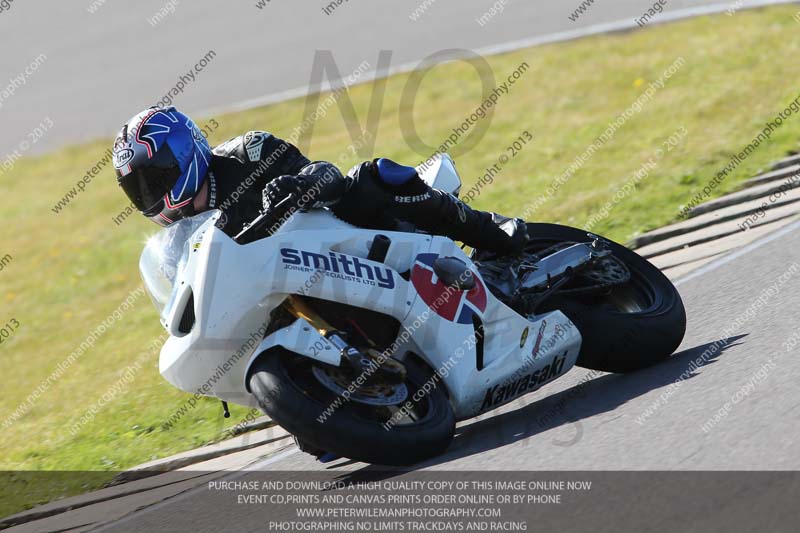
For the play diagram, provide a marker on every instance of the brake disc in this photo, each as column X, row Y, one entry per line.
column 603, row 273
column 336, row 381
column 607, row 271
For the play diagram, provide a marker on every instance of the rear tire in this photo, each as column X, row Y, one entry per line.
column 631, row 326
column 276, row 380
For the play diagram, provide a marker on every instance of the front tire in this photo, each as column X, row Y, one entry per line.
column 285, row 389
column 628, row 327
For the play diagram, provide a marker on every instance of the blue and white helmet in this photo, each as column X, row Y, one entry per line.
column 162, row 161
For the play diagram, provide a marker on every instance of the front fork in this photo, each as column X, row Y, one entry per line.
column 299, row 308
column 370, row 361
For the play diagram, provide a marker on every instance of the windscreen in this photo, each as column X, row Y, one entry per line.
column 165, row 255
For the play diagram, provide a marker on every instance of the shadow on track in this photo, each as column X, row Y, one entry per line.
column 586, row 399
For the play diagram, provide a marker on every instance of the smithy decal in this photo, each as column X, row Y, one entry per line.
column 336, row 265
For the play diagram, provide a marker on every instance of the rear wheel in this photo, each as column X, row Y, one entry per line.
column 625, row 327
column 392, row 426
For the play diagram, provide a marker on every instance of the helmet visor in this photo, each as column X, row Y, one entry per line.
column 147, row 184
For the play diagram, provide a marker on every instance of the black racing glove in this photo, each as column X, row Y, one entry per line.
column 289, row 192
column 319, row 184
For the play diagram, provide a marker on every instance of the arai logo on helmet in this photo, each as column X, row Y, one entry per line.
column 122, row 156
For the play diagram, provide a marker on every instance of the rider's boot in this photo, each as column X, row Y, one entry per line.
column 321, row 455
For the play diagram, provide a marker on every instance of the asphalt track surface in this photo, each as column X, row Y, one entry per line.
column 103, row 67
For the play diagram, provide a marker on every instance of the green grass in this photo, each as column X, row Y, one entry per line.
column 72, row 269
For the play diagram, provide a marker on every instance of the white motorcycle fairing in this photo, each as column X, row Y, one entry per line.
column 222, row 294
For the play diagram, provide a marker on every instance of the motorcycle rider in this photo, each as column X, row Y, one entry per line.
column 168, row 171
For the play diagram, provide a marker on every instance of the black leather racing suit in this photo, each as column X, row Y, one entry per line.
column 242, row 167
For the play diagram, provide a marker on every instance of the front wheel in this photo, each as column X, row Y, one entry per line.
column 626, row 327
column 307, row 400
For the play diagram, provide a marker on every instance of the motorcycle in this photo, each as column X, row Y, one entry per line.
column 372, row 344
